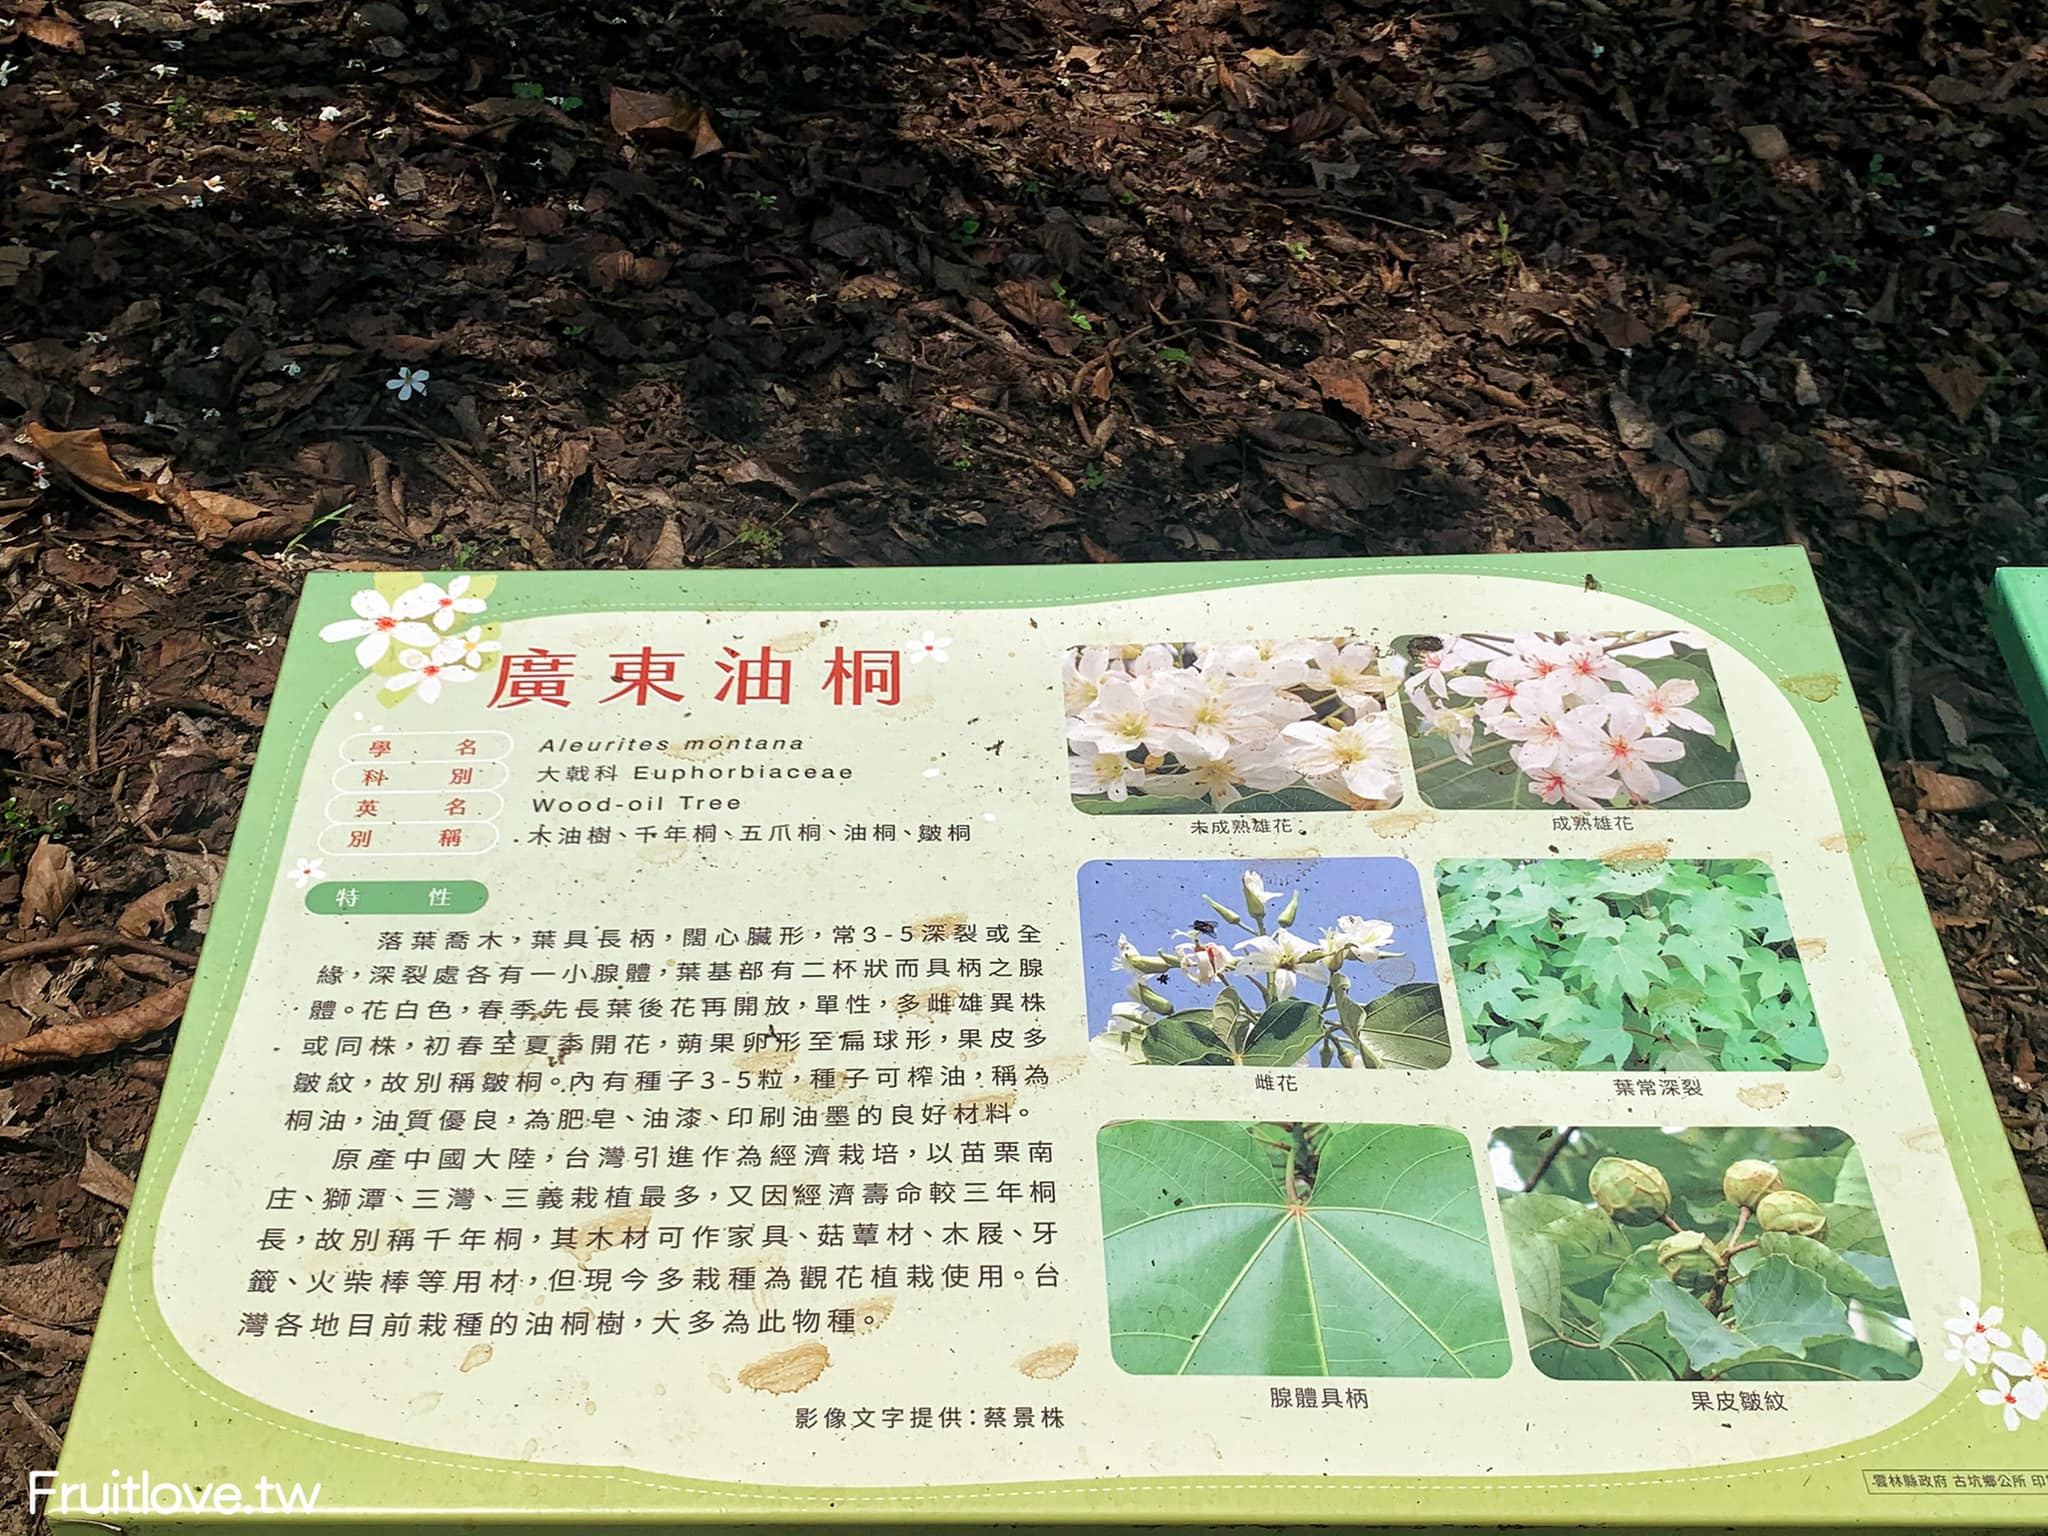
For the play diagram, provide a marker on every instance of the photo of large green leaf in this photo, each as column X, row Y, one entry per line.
column 1600, row 1303
column 1265, row 1250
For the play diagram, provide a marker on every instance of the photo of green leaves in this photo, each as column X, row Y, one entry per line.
column 1291, row 1249
column 1587, row 965
column 1587, row 721
column 1700, row 1255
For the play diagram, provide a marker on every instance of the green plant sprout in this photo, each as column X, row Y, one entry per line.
column 21, row 828
column 1079, row 320
column 316, row 525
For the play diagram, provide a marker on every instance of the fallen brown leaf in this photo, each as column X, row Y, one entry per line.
column 92, row 1037
column 667, row 554
column 212, row 515
column 52, row 33
column 1940, row 791
column 1273, row 62
column 1340, row 382
column 84, row 457
column 614, row 270
column 100, row 1177
column 59, row 1291
column 1097, row 553
column 656, row 117
column 151, row 912
column 48, row 886
column 45, row 1351
column 1959, row 384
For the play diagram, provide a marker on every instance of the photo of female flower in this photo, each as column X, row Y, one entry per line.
column 1586, row 965
column 1269, row 726
column 1297, row 1249
column 1700, row 1254
column 1588, row 721
column 1282, row 963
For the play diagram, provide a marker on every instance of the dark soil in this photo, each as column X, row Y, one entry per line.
column 904, row 283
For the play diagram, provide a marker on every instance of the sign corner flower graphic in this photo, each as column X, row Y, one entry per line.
column 419, row 637
column 2018, row 1380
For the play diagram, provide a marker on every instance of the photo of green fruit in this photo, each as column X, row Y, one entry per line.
column 1644, row 1254
column 1297, row 1249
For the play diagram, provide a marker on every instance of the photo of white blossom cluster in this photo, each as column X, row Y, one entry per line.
column 1285, row 725
column 1586, row 721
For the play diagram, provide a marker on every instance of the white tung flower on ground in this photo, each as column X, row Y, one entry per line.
column 379, row 622
column 409, row 382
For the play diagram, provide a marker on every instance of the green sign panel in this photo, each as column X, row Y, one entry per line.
column 1411, row 1043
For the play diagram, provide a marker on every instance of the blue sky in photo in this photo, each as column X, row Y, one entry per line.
column 1149, row 898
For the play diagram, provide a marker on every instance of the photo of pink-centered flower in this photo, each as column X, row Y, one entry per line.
column 1246, row 727
column 1568, row 722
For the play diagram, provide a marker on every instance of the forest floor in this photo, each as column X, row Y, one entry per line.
column 888, row 282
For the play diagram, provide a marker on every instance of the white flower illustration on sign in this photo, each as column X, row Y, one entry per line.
column 1973, row 1336
column 426, row 671
column 305, row 872
column 929, row 646
column 378, row 622
column 2025, row 1398
column 408, row 636
column 443, row 605
column 476, row 650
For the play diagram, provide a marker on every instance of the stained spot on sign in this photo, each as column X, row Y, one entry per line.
column 479, row 1354
column 1764, row 1095
column 870, row 1314
column 1815, row 687
column 775, row 1059
column 788, row 1370
column 1775, row 593
column 1655, row 851
column 1049, row 1362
